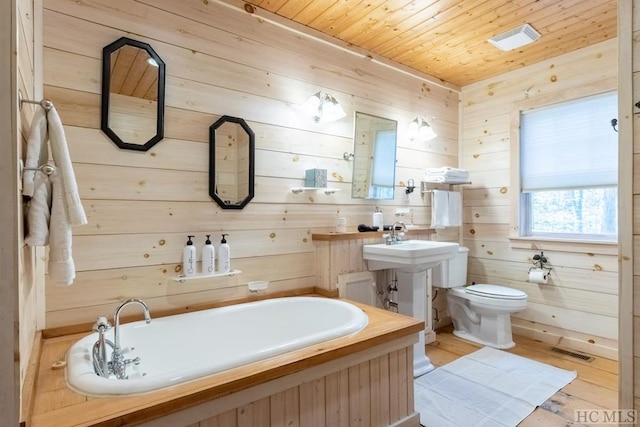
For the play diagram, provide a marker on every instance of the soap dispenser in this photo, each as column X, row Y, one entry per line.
column 224, row 256
column 189, row 259
column 208, row 257
column 378, row 220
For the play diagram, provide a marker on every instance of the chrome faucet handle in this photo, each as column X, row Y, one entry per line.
column 102, row 324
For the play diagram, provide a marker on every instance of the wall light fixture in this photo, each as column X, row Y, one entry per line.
column 323, row 107
column 420, row 129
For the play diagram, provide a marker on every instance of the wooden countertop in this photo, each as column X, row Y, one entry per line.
column 350, row 235
column 54, row 404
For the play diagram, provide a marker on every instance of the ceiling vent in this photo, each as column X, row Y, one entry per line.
column 517, row 37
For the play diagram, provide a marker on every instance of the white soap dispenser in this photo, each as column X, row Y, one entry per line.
column 224, row 256
column 378, row 220
column 208, row 257
column 189, row 259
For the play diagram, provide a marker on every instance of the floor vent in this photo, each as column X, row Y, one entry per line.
column 572, row 354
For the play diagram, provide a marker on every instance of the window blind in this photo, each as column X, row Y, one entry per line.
column 570, row 145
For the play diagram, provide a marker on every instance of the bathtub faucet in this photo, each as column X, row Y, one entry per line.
column 118, row 363
column 100, row 362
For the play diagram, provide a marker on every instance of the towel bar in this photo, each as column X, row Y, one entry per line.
column 45, row 103
column 46, row 169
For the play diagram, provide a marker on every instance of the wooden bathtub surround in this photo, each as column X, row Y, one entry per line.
column 362, row 379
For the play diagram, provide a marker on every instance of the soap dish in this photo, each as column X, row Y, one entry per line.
column 258, row 285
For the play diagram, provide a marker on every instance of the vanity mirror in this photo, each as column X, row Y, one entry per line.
column 231, row 162
column 374, row 160
column 133, row 77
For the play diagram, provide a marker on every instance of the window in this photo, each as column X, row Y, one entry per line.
column 569, row 170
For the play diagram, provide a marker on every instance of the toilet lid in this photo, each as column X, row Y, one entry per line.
column 495, row 291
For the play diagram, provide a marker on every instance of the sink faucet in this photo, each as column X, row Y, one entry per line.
column 397, row 232
column 118, row 364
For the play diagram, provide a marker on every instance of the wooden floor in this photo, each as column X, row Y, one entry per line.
column 595, row 387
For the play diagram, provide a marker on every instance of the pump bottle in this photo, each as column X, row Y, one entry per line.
column 378, row 219
column 208, row 257
column 224, row 256
column 189, row 259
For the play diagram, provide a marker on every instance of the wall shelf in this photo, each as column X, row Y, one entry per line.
column 182, row 279
column 296, row 190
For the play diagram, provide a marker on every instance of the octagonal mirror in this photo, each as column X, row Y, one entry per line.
column 133, row 77
column 231, row 162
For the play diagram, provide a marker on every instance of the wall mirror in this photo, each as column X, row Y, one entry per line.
column 133, row 77
column 374, row 160
column 231, row 162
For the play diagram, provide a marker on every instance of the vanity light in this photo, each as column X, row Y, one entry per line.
column 420, row 129
column 323, row 107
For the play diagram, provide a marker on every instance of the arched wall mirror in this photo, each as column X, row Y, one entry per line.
column 231, row 162
column 374, row 160
column 133, row 77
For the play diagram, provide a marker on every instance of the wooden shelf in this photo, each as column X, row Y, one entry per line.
column 352, row 235
column 296, row 190
column 198, row 276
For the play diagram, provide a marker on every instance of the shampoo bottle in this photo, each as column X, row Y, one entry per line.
column 189, row 259
column 378, row 220
column 224, row 256
column 208, row 257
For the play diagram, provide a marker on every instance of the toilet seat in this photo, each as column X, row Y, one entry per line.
column 492, row 297
column 495, row 291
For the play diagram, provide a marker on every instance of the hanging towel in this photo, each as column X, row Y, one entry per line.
column 439, row 209
column 37, row 152
column 455, row 209
column 62, row 159
column 55, row 202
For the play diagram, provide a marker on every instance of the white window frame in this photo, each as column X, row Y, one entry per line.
column 542, row 242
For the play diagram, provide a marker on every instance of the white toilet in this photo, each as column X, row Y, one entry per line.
column 480, row 313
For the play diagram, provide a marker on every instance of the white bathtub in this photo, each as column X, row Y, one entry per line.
column 184, row 347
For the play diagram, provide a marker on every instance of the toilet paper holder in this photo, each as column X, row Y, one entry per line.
column 539, row 262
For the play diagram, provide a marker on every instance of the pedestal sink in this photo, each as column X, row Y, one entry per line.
column 411, row 259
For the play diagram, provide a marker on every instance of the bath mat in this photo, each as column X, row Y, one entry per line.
column 490, row 388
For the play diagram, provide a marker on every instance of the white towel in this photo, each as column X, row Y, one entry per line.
column 446, row 209
column 439, row 209
column 55, row 204
column 62, row 159
column 446, row 174
column 455, row 209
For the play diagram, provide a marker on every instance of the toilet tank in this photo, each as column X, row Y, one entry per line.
column 451, row 273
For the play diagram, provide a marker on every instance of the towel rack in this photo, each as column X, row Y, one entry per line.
column 46, row 169
column 45, row 103
column 426, row 184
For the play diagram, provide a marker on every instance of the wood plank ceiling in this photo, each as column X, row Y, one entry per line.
column 447, row 39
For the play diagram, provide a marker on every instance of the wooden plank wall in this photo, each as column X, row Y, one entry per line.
column 635, row 82
column 578, row 309
column 9, row 268
column 30, row 260
column 220, row 60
